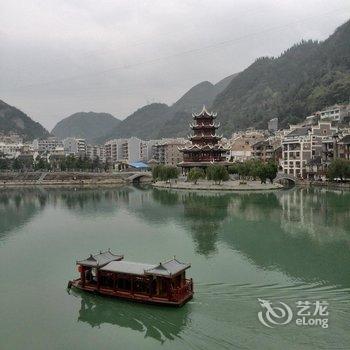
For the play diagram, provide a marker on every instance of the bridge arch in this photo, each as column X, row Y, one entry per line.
column 140, row 177
column 284, row 178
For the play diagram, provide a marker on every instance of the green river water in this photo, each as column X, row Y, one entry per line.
column 285, row 246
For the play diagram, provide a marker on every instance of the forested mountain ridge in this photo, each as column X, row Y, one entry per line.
column 88, row 125
column 308, row 77
column 144, row 123
column 14, row 120
column 158, row 120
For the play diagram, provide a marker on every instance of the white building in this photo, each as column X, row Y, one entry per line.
column 10, row 150
column 126, row 150
column 96, row 152
column 46, row 145
column 304, row 144
column 272, row 125
column 74, row 146
column 335, row 113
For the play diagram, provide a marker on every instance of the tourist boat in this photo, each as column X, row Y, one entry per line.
column 109, row 274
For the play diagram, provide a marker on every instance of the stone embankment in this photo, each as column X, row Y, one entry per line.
column 326, row 184
column 232, row 185
column 60, row 179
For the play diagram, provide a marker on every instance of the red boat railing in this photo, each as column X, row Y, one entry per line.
column 180, row 293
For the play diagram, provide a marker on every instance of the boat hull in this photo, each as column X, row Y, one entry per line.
column 140, row 298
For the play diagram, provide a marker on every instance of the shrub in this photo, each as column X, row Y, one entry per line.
column 195, row 174
column 217, row 173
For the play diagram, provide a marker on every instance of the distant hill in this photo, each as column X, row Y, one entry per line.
column 87, row 125
column 192, row 101
column 305, row 78
column 158, row 120
column 144, row 123
column 14, row 120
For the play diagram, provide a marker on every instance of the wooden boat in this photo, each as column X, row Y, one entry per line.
column 109, row 274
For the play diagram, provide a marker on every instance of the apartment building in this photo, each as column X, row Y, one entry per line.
column 305, row 147
column 46, row 145
column 127, row 150
column 241, row 144
column 75, row 146
column 335, row 113
column 10, row 150
column 272, row 125
column 343, row 147
column 166, row 151
column 95, row 152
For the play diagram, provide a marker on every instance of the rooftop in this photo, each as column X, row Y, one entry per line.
column 139, row 165
column 166, row 269
column 101, row 259
column 303, row 131
column 345, row 140
column 128, row 267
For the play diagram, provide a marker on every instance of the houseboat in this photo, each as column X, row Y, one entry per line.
column 109, row 274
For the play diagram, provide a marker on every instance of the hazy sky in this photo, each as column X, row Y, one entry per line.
column 58, row 57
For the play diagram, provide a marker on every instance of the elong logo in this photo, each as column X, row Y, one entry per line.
column 279, row 313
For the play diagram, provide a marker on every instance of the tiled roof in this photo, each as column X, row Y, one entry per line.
column 128, row 267
column 303, row 131
column 345, row 140
column 101, row 259
column 168, row 268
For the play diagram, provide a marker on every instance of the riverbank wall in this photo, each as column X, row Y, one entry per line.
column 223, row 186
column 61, row 179
column 325, row 184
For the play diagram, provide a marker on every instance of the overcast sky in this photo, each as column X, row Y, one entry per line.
column 58, row 57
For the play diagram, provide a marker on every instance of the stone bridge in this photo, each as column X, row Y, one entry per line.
column 140, row 177
column 286, row 177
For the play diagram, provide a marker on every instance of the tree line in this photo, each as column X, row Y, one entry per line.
column 339, row 169
column 248, row 170
column 66, row 163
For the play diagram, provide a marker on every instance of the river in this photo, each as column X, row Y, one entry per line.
column 285, row 247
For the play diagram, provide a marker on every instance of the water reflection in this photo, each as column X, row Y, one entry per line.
column 303, row 232
column 19, row 207
column 159, row 323
column 204, row 215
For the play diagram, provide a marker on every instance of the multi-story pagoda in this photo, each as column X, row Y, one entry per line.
column 205, row 149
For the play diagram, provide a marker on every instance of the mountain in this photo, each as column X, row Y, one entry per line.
column 14, row 120
column 158, row 120
column 87, row 125
column 144, row 123
column 192, row 101
column 307, row 77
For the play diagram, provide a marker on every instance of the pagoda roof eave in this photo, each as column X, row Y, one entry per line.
column 204, row 113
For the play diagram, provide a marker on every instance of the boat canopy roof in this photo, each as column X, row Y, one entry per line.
column 164, row 269
column 168, row 268
column 101, row 259
column 128, row 267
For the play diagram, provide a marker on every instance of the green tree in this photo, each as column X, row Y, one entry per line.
column 262, row 172
column 156, row 171
column 271, row 170
column 17, row 165
column 243, row 170
column 164, row 172
column 195, row 174
column 217, row 173
column 41, row 164
column 233, row 169
column 170, row 172
column 339, row 168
